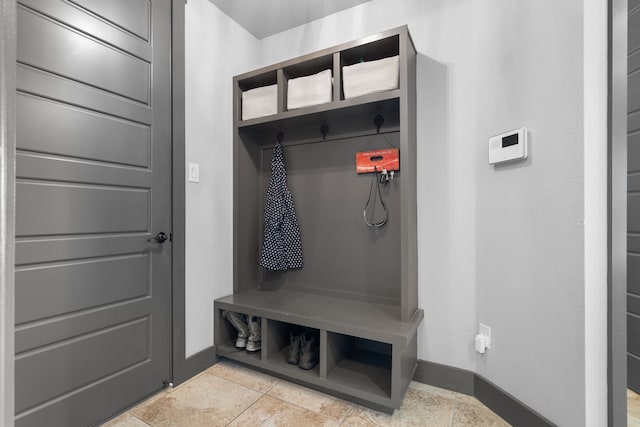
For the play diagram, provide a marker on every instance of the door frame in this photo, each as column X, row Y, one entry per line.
column 617, row 213
column 7, row 205
column 181, row 369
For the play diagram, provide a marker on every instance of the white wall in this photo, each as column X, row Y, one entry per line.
column 595, row 205
column 505, row 246
column 530, row 235
column 216, row 49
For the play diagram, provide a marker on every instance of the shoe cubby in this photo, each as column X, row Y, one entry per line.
column 276, row 345
column 359, row 363
column 358, row 287
column 225, row 339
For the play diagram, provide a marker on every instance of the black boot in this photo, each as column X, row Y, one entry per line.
column 295, row 337
column 309, row 351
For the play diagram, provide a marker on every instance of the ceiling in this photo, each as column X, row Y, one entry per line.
column 263, row 18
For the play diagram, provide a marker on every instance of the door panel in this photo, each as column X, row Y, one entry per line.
column 93, row 170
column 84, row 284
column 79, row 362
column 128, row 14
column 79, row 209
column 56, row 88
column 76, row 17
column 43, row 127
column 49, row 45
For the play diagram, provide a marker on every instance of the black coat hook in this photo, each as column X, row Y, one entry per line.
column 378, row 120
column 324, row 130
column 279, row 136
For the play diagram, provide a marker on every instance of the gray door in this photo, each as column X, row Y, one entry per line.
column 93, row 186
column 633, row 200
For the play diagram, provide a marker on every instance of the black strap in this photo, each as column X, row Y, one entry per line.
column 384, row 207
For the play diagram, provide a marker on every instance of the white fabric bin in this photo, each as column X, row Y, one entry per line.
column 259, row 102
column 309, row 90
column 371, row 77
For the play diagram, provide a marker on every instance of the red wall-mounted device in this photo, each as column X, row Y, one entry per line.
column 378, row 160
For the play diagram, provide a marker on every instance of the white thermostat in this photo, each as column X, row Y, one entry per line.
column 508, row 146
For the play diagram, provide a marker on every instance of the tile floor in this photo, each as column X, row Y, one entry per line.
column 228, row 394
column 633, row 409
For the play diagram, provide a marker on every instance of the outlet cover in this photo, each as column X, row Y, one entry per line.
column 194, row 172
column 486, row 331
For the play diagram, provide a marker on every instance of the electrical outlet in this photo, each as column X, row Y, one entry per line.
column 484, row 330
column 483, row 339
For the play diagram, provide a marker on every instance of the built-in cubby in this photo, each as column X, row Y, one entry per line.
column 225, row 339
column 359, row 363
column 306, row 69
column 358, row 285
column 276, row 344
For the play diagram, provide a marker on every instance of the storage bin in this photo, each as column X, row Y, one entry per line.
column 259, row 102
column 309, row 90
column 371, row 77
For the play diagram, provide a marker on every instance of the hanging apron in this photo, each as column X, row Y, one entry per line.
column 282, row 247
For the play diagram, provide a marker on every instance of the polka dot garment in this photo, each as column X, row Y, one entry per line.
column 282, row 247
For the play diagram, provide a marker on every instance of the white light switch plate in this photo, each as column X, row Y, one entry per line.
column 194, row 172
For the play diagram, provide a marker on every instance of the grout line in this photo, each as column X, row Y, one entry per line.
column 455, row 408
column 245, row 386
column 307, row 409
column 142, row 421
column 348, row 414
column 245, row 410
column 278, row 381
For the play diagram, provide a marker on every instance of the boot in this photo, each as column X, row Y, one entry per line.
column 237, row 320
column 255, row 336
column 309, row 351
column 295, row 337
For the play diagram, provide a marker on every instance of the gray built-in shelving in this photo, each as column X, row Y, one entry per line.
column 358, row 286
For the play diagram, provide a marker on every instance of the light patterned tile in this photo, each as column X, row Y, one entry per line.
column 206, row 401
column 273, row 412
column 633, row 403
column 473, row 415
column 633, row 421
column 125, row 420
column 468, row 400
column 419, row 408
column 243, row 376
column 312, row 400
column 433, row 390
column 151, row 399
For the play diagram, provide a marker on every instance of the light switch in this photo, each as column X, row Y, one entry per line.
column 194, row 172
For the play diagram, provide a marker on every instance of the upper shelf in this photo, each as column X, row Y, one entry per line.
column 395, row 42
